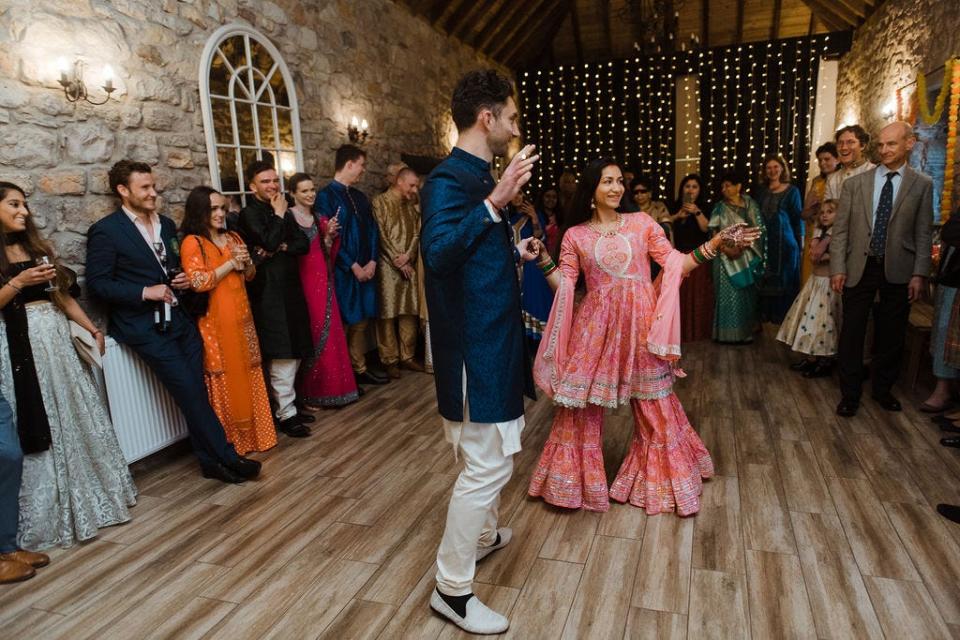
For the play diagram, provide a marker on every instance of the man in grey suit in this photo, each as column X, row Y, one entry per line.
column 882, row 241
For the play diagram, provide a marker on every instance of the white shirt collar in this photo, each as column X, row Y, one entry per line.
column 882, row 170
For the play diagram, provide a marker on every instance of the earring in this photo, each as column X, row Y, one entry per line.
column 593, row 205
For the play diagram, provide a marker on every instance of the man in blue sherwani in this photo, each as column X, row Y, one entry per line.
column 482, row 370
column 356, row 263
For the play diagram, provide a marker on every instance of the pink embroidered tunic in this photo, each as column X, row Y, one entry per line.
column 616, row 347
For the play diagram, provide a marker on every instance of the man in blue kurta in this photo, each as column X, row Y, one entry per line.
column 482, row 370
column 356, row 263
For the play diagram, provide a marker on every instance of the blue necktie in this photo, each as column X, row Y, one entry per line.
column 878, row 241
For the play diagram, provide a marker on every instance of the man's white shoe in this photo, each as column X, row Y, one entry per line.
column 505, row 536
column 480, row 618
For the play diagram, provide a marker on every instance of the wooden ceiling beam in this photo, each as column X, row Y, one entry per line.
column 519, row 28
column 775, row 22
column 738, row 39
column 496, row 26
column 705, row 23
column 439, row 12
column 827, row 16
column 858, row 7
column 603, row 14
column 483, row 21
column 551, row 25
column 841, row 10
column 577, row 37
column 463, row 17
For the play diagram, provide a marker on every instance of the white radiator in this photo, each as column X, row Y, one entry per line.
column 144, row 415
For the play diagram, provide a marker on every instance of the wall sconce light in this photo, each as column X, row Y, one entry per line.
column 889, row 110
column 73, row 86
column 358, row 130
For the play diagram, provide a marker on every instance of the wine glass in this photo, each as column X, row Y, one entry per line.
column 44, row 261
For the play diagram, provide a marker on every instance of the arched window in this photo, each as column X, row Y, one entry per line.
column 249, row 107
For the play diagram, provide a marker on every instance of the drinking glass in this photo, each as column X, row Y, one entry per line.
column 44, row 261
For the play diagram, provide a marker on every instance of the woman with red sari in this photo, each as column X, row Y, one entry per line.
column 619, row 346
column 326, row 379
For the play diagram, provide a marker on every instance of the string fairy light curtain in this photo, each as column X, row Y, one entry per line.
column 754, row 99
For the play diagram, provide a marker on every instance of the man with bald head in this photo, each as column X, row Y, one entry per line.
column 882, row 241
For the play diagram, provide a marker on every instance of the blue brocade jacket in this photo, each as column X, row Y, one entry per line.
column 472, row 295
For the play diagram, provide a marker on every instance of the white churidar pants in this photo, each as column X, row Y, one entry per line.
column 488, row 451
column 283, row 373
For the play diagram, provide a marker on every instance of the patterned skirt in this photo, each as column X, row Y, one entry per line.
column 812, row 326
column 81, row 483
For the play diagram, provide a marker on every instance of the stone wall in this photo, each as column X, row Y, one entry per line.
column 900, row 38
column 369, row 58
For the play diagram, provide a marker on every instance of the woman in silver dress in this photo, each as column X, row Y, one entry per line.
column 75, row 479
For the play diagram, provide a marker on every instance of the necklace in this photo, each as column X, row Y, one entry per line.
column 610, row 230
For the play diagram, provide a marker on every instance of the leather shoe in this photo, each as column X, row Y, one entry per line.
column 411, row 365
column 306, row 418
column 848, row 408
column 888, row 402
column 13, row 571
column 369, row 378
column 245, row 467
column 819, row 370
column 32, row 558
column 480, row 619
column 222, row 473
column 393, row 371
column 803, row 365
column 294, row 428
column 945, row 424
column 949, row 511
column 950, row 442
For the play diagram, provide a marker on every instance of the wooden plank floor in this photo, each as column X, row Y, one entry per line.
column 814, row 528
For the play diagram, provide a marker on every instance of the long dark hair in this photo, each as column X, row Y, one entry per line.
column 30, row 239
column 196, row 212
column 702, row 200
column 581, row 211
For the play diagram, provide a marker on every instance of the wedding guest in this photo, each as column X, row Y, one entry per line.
column 536, row 297
column 75, row 479
column 641, row 193
column 735, row 271
column 16, row 564
column 326, row 377
column 276, row 294
column 356, row 264
column 217, row 263
column 882, row 244
column 827, row 160
column 812, row 326
column 567, row 184
column 398, row 223
column 128, row 253
column 616, row 348
column 852, row 142
column 548, row 204
column 780, row 207
column 628, row 204
column 689, row 225
column 948, row 281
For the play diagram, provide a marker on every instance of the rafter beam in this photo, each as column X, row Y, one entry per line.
column 484, row 21
column 577, row 38
column 738, row 39
column 519, row 28
column 496, row 27
column 857, row 7
column 775, row 23
column 828, row 12
column 603, row 14
column 546, row 32
column 705, row 23
column 462, row 17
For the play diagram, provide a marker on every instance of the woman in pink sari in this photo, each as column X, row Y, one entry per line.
column 619, row 346
column 326, row 379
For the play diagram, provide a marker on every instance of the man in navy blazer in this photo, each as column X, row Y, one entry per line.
column 126, row 256
column 481, row 367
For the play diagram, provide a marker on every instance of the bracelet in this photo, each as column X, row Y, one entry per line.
column 548, row 267
column 10, row 282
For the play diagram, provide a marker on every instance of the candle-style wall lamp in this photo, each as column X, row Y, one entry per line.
column 73, row 86
column 358, row 130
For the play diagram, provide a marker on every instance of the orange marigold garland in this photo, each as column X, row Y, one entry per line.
column 933, row 117
column 946, row 199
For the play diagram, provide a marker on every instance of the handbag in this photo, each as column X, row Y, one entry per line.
column 86, row 345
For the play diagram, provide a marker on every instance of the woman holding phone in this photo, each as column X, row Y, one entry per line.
column 75, row 479
column 689, row 232
column 326, row 378
column 217, row 262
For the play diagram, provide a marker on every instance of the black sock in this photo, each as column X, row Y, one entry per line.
column 457, row 603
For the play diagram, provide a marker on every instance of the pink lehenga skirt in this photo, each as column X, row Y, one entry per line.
column 663, row 470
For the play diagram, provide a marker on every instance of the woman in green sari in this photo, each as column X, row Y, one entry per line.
column 735, row 317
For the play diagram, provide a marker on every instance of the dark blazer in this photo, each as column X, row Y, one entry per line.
column 909, row 241
column 949, row 272
column 120, row 265
column 472, row 295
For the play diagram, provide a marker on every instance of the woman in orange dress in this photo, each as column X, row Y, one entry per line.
column 217, row 262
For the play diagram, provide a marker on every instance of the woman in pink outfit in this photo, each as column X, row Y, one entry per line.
column 326, row 379
column 619, row 346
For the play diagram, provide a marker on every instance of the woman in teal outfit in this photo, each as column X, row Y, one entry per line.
column 735, row 272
